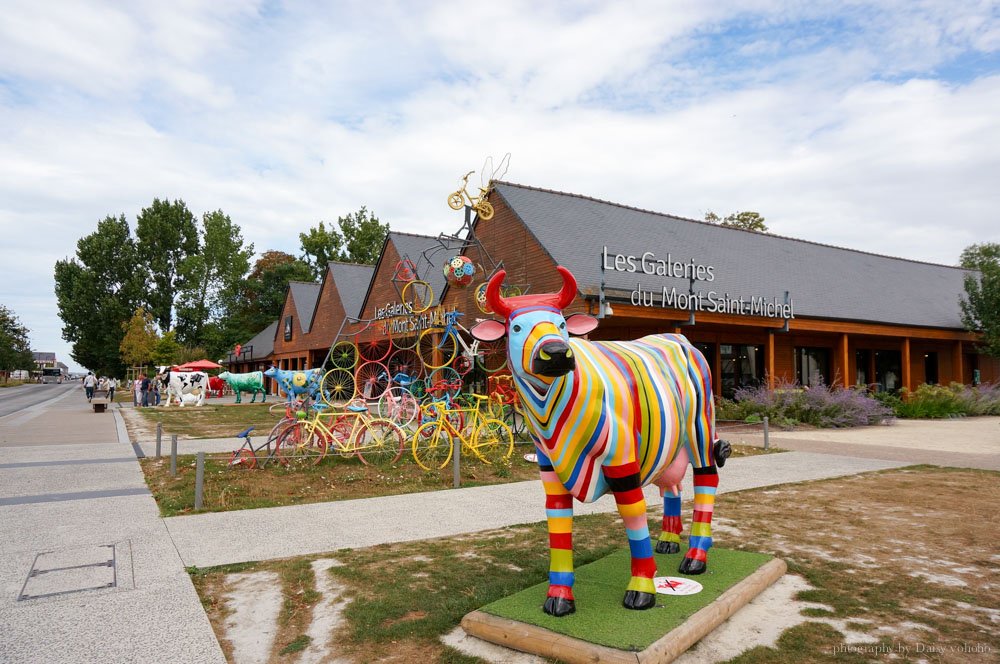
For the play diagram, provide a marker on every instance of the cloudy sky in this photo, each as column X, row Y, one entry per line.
column 874, row 126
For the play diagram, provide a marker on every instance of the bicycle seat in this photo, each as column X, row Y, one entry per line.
column 357, row 408
column 320, row 406
column 245, row 434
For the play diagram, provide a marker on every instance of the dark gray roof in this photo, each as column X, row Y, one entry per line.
column 263, row 342
column 44, row 357
column 428, row 256
column 352, row 283
column 823, row 281
column 304, row 294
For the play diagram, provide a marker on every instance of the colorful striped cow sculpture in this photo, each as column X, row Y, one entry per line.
column 297, row 382
column 252, row 382
column 610, row 416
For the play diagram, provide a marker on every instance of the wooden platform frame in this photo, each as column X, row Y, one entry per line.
column 540, row 641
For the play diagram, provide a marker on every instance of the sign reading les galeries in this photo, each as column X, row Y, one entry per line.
column 707, row 300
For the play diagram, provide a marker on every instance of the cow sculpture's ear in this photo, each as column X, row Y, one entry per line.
column 580, row 324
column 488, row 330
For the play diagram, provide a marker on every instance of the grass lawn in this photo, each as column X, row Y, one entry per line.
column 210, row 420
column 335, row 478
column 905, row 557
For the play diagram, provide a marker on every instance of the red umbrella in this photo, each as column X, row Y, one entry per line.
column 199, row 365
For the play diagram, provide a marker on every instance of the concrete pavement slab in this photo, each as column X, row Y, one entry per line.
column 279, row 532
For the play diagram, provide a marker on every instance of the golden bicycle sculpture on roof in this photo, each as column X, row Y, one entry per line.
column 457, row 199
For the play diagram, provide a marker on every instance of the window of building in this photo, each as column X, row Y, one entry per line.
column 888, row 370
column 288, row 328
column 931, row 368
column 742, row 366
column 812, row 366
column 862, row 371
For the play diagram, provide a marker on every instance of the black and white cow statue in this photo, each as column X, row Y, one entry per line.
column 183, row 385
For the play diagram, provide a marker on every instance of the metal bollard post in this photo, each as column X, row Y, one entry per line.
column 766, row 442
column 458, row 465
column 159, row 436
column 173, row 455
column 199, row 480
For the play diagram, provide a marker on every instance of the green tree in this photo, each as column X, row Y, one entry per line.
column 97, row 291
column 363, row 237
column 320, row 246
column 359, row 240
column 747, row 220
column 263, row 293
column 981, row 304
column 15, row 348
column 212, row 278
column 139, row 340
column 166, row 235
column 167, row 351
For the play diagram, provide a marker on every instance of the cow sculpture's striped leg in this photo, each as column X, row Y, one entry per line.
column 706, row 481
column 626, row 484
column 559, row 514
column 670, row 537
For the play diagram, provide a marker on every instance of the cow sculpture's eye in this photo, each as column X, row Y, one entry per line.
column 562, row 325
column 516, row 328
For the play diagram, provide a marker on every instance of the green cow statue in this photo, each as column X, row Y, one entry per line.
column 246, row 382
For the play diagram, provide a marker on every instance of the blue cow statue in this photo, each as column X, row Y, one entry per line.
column 252, row 382
column 295, row 383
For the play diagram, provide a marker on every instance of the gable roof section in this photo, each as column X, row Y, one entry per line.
column 823, row 281
column 413, row 247
column 304, row 294
column 352, row 281
column 263, row 342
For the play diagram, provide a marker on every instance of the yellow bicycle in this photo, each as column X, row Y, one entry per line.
column 353, row 432
column 487, row 438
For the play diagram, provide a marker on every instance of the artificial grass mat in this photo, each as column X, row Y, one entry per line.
column 600, row 586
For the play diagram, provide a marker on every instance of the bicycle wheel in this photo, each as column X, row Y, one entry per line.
column 480, row 297
column 379, row 443
column 493, row 442
column 244, row 458
column 317, row 443
column 444, row 384
column 485, row 210
column 432, row 448
column 405, row 361
column 372, row 380
column 405, row 270
column 405, row 342
column 435, row 348
column 290, row 447
column 344, row 355
column 462, row 364
column 455, row 200
column 398, row 405
column 492, row 356
column 339, row 387
column 373, row 346
column 419, row 294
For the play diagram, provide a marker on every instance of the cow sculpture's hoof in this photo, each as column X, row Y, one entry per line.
column 664, row 546
column 559, row 606
column 692, row 566
column 721, row 451
column 638, row 600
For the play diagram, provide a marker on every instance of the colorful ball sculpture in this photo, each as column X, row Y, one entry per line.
column 459, row 271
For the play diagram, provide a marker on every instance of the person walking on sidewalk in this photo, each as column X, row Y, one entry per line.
column 143, row 390
column 89, row 383
column 112, row 385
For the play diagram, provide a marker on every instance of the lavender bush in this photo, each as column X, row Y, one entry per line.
column 821, row 406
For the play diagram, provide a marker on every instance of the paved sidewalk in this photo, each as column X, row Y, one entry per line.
column 278, row 532
column 69, row 488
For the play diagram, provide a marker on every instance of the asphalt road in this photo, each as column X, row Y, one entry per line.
column 15, row 399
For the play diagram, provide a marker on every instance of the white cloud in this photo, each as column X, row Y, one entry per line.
column 831, row 120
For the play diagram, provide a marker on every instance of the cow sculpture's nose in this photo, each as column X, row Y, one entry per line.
column 553, row 358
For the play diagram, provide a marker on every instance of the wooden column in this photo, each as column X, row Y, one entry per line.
column 957, row 373
column 770, row 359
column 906, row 364
column 845, row 365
